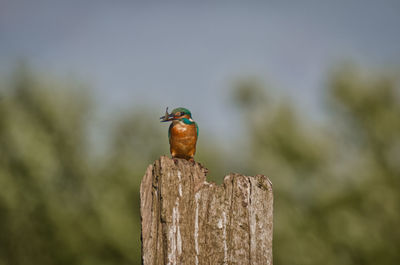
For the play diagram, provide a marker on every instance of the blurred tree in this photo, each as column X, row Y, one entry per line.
column 57, row 206
column 42, row 173
column 335, row 186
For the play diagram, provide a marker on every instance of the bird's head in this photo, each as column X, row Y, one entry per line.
column 176, row 114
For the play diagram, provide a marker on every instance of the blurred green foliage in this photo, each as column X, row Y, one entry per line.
column 335, row 183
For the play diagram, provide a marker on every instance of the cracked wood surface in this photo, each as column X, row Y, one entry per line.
column 186, row 220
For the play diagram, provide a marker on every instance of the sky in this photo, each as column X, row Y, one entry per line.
column 186, row 53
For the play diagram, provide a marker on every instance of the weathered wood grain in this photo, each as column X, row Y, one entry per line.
column 186, row 220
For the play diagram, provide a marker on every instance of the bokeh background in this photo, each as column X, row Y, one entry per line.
column 306, row 92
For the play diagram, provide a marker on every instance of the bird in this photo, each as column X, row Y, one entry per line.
column 182, row 133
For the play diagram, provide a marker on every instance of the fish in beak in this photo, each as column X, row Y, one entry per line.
column 167, row 116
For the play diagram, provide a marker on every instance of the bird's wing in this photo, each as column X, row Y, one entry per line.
column 169, row 130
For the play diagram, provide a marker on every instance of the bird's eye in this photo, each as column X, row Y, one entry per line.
column 182, row 113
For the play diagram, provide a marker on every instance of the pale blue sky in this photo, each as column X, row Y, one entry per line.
column 185, row 53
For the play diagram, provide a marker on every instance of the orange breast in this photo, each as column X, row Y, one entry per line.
column 183, row 138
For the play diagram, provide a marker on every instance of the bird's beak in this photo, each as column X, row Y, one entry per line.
column 169, row 117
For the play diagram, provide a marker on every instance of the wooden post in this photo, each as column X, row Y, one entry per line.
column 186, row 220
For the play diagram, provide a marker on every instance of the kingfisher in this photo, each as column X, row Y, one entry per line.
column 182, row 133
